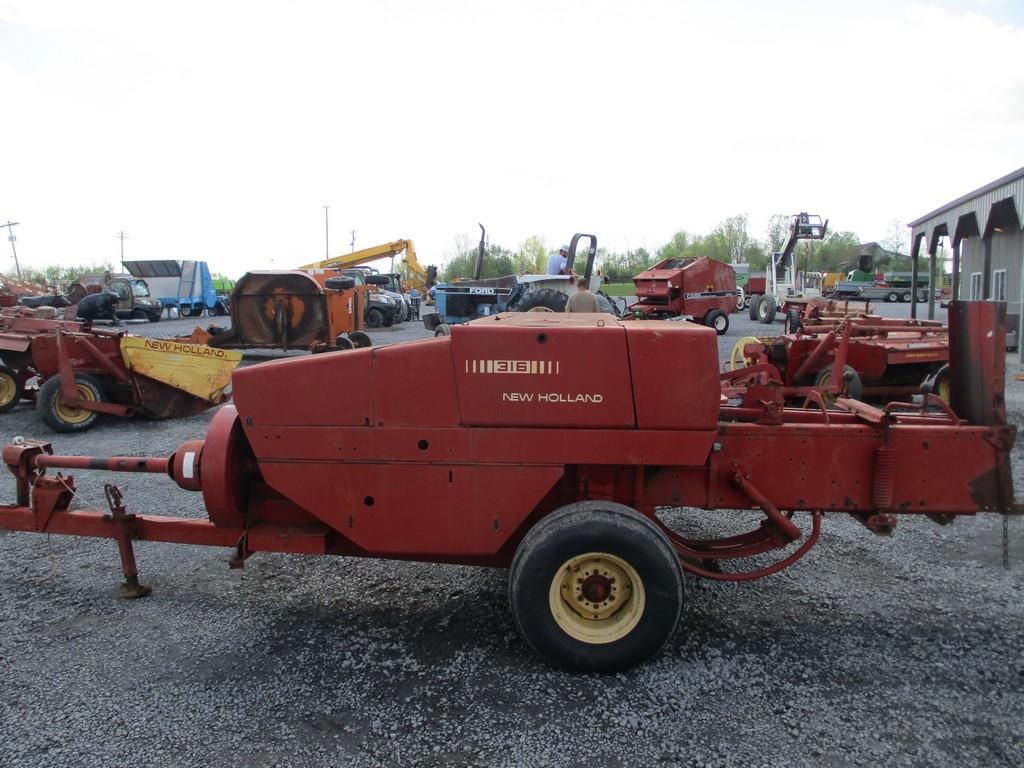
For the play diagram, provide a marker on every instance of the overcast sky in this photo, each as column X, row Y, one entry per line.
column 219, row 131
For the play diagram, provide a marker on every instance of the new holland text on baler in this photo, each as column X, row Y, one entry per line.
column 550, row 442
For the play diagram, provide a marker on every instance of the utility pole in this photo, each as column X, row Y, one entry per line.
column 353, row 240
column 12, row 237
column 121, row 236
column 327, row 239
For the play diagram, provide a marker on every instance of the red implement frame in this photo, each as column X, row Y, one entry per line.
column 284, row 475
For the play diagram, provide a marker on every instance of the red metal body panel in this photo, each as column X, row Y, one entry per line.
column 672, row 386
column 542, row 379
column 333, row 394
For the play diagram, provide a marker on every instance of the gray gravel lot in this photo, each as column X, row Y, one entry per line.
column 902, row 650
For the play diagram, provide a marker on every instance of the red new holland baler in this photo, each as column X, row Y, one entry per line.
column 546, row 445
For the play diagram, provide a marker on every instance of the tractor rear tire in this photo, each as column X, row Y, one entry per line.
column 853, row 387
column 792, row 323
column 718, row 320
column 374, row 318
column 543, row 297
column 63, row 418
column 752, row 305
column 766, row 309
column 596, row 587
column 11, row 388
column 360, row 340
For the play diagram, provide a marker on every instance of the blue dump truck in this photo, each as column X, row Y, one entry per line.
column 185, row 285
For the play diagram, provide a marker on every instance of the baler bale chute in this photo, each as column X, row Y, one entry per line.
column 293, row 309
column 529, row 460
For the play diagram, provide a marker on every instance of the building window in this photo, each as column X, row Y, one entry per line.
column 976, row 286
column 999, row 285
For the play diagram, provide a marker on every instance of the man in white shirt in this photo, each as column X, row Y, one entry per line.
column 558, row 262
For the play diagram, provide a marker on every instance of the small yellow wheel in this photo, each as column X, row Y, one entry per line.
column 62, row 417
column 71, row 415
column 10, row 388
column 540, row 309
column 940, row 384
column 737, row 353
column 596, row 597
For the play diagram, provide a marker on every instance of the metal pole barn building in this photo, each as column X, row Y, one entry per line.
column 984, row 230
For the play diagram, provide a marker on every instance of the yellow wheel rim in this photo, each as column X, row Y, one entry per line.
column 943, row 389
column 70, row 415
column 8, row 389
column 737, row 353
column 540, row 309
column 596, row 598
column 828, row 397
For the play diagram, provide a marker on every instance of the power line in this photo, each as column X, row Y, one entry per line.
column 122, row 236
column 12, row 237
column 327, row 239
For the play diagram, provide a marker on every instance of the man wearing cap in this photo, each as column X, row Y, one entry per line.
column 558, row 263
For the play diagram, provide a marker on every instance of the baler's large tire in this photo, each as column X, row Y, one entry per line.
column 752, row 306
column 766, row 308
column 852, row 387
column 374, row 318
column 718, row 320
column 64, row 418
column 596, row 587
column 11, row 388
column 543, row 297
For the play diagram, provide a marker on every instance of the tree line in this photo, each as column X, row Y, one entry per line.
column 731, row 241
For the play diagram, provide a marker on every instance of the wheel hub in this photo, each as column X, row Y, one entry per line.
column 597, row 597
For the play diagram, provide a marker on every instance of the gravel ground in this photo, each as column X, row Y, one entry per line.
column 901, row 650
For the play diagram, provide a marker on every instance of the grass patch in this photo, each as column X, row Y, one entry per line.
column 619, row 289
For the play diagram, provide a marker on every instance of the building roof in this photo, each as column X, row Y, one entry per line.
column 1007, row 179
column 991, row 208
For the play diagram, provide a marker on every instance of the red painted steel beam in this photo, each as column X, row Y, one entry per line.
column 304, row 540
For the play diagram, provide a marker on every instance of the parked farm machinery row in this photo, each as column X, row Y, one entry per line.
column 856, row 355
